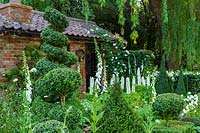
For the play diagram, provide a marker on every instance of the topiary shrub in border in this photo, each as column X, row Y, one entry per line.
column 57, row 82
column 118, row 117
column 168, row 106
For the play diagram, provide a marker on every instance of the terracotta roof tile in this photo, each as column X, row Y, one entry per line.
column 77, row 27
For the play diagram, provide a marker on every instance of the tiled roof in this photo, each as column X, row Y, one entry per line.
column 77, row 27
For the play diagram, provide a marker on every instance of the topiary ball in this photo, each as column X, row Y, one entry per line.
column 168, row 105
column 54, row 37
column 44, row 65
column 58, row 83
column 59, row 54
column 51, row 126
column 57, row 19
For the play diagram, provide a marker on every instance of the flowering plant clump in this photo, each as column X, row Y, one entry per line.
column 192, row 102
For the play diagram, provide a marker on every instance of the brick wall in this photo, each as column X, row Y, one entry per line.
column 11, row 45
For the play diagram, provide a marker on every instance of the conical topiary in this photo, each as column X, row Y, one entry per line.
column 180, row 89
column 57, row 82
column 118, row 117
column 162, row 84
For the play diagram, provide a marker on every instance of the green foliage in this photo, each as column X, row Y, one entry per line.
column 54, row 37
column 118, row 117
column 58, row 84
column 168, row 105
column 181, row 30
column 175, row 127
column 59, row 55
column 162, row 84
column 51, row 126
column 59, row 113
column 11, row 112
column 58, row 20
column 191, row 81
column 40, row 110
column 180, row 89
column 93, row 106
column 145, row 114
column 194, row 120
column 145, row 93
column 43, row 66
column 134, row 99
column 197, row 129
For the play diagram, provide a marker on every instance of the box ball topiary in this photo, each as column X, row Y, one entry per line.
column 58, row 84
column 58, row 20
column 54, row 37
column 168, row 105
column 59, row 54
column 51, row 126
column 44, row 65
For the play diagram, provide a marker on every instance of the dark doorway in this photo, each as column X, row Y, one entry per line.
column 91, row 63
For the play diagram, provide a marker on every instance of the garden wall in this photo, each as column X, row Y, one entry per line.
column 11, row 47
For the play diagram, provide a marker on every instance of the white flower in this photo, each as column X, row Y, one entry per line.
column 15, row 80
column 157, row 121
column 45, row 96
column 33, row 70
column 28, row 95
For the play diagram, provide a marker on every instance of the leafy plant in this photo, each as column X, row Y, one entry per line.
column 95, row 106
column 145, row 113
column 168, row 106
column 51, row 126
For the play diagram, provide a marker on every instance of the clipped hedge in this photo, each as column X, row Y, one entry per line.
column 58, row 83
column 54, row 37
column 58, row 20
column 174, row 127
column 59, row 54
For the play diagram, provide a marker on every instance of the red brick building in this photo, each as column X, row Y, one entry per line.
column 20, row 26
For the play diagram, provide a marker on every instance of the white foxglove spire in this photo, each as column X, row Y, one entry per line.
column 133, row 84
column 128, row 88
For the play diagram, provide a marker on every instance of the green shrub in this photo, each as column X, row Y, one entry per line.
column 40, row 110
column 145, row 92
column 194, row 120
column 180, row 89
column 118, row 117
column 43, row 66
column 51, row 126
column 58, row 84
column 57, row 19
column 54, row 37
column 162, row 84
column 175, row 127
column 59, row 54
column 134, row 99
column 72, row 115
column 168, row 105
